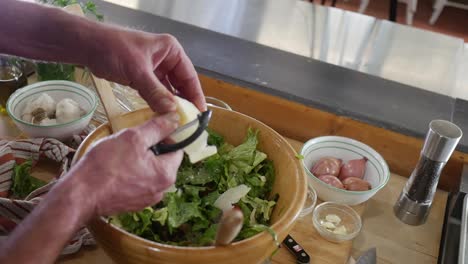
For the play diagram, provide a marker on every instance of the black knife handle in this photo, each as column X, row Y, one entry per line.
column 301, row 255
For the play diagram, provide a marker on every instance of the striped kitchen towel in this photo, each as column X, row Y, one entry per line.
column 13, row 211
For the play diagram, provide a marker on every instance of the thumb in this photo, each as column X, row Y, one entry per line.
column 158, row 128
column 156, row 94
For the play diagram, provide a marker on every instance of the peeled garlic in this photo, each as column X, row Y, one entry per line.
column 328, row 225
column 331, row 223
column 341, row 230
column 333, row 218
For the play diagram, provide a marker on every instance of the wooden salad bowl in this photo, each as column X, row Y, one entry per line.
column 290, row 184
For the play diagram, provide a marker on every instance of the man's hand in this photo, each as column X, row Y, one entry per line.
column 118, row 174
column 153, row 64
column 121, row 174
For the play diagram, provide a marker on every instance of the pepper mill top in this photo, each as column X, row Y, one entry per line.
column 441, row 140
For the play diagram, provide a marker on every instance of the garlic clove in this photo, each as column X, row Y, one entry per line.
column 327, row 225
column 333, row 218
column 341, row 230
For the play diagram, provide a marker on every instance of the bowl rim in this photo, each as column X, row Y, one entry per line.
column 356, row 143
column 311, row 196
column 45, row 84
column 282, row 221
column 341, row 206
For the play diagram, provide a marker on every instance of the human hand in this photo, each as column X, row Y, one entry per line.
column 149, row 63
column 120, row 173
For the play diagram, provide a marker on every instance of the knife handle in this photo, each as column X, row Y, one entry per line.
column 301, row 255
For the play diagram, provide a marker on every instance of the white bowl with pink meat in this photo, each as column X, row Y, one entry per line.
column 344, row 170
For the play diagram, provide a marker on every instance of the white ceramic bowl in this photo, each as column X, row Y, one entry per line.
column 377, row 172
column 58, row 90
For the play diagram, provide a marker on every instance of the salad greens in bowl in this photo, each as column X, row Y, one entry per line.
column 188, row 215
column 253, row 161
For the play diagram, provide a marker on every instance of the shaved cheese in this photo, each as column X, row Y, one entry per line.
column 199, row 149
column 231, row 196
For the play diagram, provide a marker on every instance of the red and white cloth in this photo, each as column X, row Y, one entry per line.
column 12, row 211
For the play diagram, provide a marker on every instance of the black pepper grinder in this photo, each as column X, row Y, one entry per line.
column 414, row 204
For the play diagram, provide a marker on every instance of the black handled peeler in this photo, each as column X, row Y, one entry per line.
column 202, row 121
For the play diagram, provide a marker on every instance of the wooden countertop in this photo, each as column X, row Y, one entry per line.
column 395, row 241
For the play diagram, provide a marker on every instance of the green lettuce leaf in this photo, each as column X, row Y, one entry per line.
column 135, row 222
column 160, row 216
column 245, row 156
column 214, row 138
column 262, row 208
column 195, row 176
column 179, row 211
column 208, row 236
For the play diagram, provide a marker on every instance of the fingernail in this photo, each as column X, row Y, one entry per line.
column 168, row 104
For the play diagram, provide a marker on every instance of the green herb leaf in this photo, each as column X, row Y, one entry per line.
column 23, row 182
column 299, row 156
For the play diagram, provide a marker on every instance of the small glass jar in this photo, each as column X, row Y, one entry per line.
column 11, row 79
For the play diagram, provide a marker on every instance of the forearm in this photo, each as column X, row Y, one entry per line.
column 44, row 233
column 46, row 33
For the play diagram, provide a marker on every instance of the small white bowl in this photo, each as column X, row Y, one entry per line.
column 350, row 219
column 377, row 172
column 58, row 90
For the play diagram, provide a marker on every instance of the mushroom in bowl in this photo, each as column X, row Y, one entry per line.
column 56, row 109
